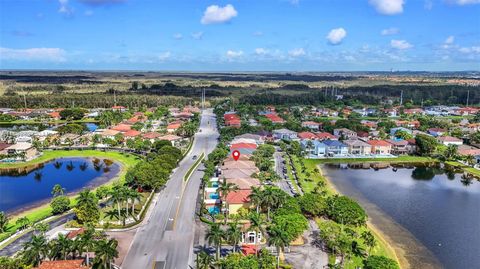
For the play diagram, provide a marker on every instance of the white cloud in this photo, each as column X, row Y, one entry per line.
column 178, row 36
column 258, row 33
column 261, row 51
column 470, row 50
column 388, row 7
column 164, row 56
column 216, row 14
column 101, row 2
column 465, row 2
column 197, row 35
column 234, row 54
column 64, row 8
column 450, row 40
column 296, row 52
column 390, row 31
column 336, row 36
column 33, row 54
column 400, row 44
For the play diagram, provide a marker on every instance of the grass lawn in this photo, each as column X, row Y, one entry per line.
column 401, row 159
column 44, row 211
column 466, row 168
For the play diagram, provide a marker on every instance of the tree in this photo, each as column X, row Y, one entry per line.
column 313, row 204
column 105, row 252
column 344, row 210
column 256, row 197
column 273, row 198
column 34, row 250
column 369, row 240
column 63, row 245
column 117, row 196
column 23, row 222
column 426, row 144
column 224, row 189
column 87, row 210
column 214, row 236
column 102, row 192
column 257, row 224
column 41, row 227
column 87, row 242
column 451, row 152
column 278, row 238
column 72, row 114
column 60, row 204
column 3, row 222
column 380, row 262
column 204, row 260
column 403, row 134
column 234, row 234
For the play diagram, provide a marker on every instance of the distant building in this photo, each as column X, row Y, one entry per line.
column 450, row 140
column 345, row 133
column 285, row 134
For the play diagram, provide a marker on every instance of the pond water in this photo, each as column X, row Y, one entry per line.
column 29, row 186
column 441, row 209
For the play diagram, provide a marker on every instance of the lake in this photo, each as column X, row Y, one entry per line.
column 440, row 209
column 29, row 186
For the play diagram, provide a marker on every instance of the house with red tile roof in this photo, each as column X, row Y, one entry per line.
column 132, row 134
column 173, row 126
column 236, row 200
column 311, row 125
column 326, row 136
column 119, row 108
column 450, row 140
column 380, row 146
column 307, row 135
column 232, row 120
column 152, row 136
column 274, row 118
column 122, row 127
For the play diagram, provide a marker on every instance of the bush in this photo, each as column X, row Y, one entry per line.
column 380, row 262
column 313, row 204
column 344, row 210
column 60, row 204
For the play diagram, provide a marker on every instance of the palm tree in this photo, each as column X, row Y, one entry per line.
column 214, row 236
column 57, row 190
column 369, row 240
column 134, row 196
column 64, row 245
column 3, row 222
column 204, row 260
column 270, row 199
column 257, row 223
column 224, row 189
column 278, row 238
column 35, row 250
column 470, row 160
column 42, row 227
column 234, row 234
column 256, row 197
column 87, row 242
column 451, row 152
column 105, row 252
column 117, row 195
column 23, row 222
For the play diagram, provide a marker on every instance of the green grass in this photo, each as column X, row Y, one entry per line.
column 193, row 167
column 400, row 159
column 464, row 167
column 44, row 211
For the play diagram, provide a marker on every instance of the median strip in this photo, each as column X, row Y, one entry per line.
column 193, row 167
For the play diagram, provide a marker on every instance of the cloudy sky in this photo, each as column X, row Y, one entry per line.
column 240, row 35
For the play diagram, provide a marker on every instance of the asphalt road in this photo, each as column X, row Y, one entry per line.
column 167, row 235
column 282, row 183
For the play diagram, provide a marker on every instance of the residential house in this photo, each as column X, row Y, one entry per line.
column 232, row 120
column 399, row 146
column 380, row 147
column 335, row 148
column 258, row 138
column 119, row 108
column 307, row 136
column 173, row 126
column 450, row 140
column 22, row 148
column 311, row 125
column 358, row 147
column 413, row 111
column 436, row 131
column 132, row 134
column 109, row 133
column 344, row 133
column 122, row 127
column 244, row 183
column 314, row 148
column 326, row 136
column 285, row 134
column 274, row 118
column 174, row 139
column 63, row 264
column 236, row 200
column 465, row 150
column 152, row 136
column 393, row 131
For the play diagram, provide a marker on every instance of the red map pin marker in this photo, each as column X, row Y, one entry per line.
column 236, row 155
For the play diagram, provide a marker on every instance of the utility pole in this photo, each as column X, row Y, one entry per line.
column 25, row 99
column 401, row 97
column 468, row 96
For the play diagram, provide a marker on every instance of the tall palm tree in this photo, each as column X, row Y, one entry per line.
column 134, row 196
column 224, row 189
column 257, row 224
column 23, row 222
column 87, row 242
column 278, row 238
column 118, row 196
column 214, row 236
column 35, row 250
column 234, row 235
column 41, row 227
column 256, row 197
column 105, row 252
column 64, row 245
column 269, row 199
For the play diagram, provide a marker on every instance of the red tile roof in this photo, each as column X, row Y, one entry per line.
column 325, row 135
column 379, row 143
column 243, row 146
column 75, row 233
column 151, row 135
column 249, row 250
column 307, row 135
column 238, row 197
column 132, row 133
column 174, row 125
column 122, row 127
column 62, row 264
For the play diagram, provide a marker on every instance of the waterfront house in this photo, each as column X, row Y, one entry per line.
column 314, row 148
column 335, row 148
column 311, row 125
column 22, row 148
column 380, row 147
column 325, row 136
column 358, row 147
column 307, row 136
column 399, row 146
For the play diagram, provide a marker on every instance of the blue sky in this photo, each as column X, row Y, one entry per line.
column 240, row 35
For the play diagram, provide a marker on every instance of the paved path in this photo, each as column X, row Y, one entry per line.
column 167, row 235
column 282, row 183
column 309, row 255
